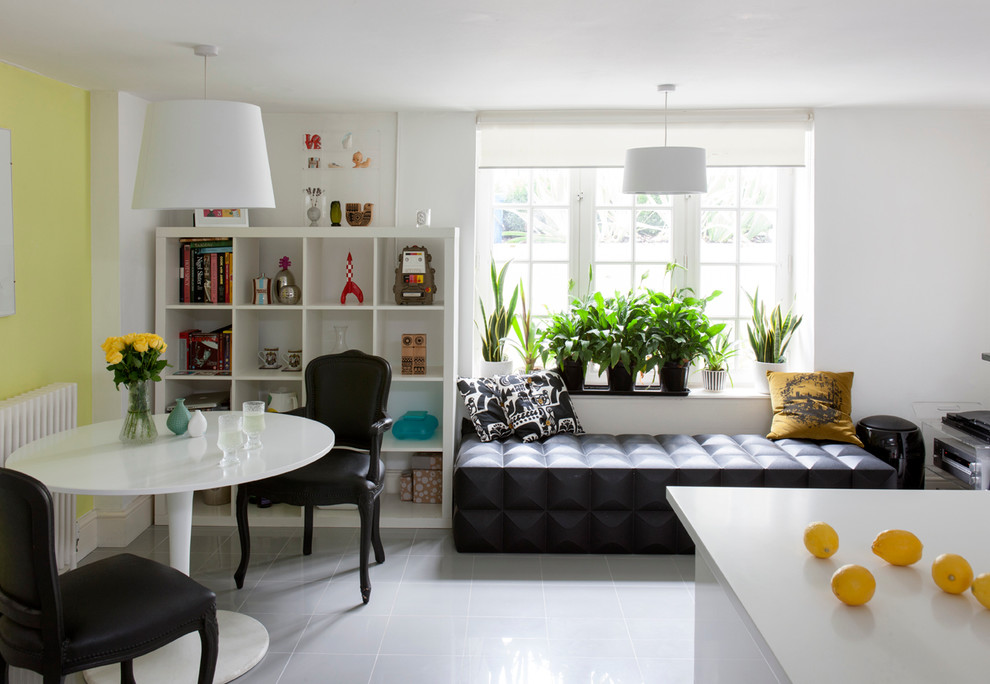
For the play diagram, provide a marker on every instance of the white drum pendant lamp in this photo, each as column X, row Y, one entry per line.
column 665, row 170
column 203, row 154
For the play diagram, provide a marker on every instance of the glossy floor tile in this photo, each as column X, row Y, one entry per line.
column 438, row 616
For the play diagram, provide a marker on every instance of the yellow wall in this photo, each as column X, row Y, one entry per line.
column 48, row 338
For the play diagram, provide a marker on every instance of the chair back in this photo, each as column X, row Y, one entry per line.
column 30, row 602
column 349, row 393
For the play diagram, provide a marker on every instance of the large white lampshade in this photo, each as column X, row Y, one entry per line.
column 203, row 154
column 665, row 171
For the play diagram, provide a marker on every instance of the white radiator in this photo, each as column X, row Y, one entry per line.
column 33, row 415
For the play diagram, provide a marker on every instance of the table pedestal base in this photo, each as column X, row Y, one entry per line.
column 243, row 643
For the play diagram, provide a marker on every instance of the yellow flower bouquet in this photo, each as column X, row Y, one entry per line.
column 135, row 357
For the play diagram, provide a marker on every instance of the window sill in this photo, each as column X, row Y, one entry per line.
column 694, row 393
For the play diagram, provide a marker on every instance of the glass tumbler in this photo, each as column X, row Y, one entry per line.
column 230, row 438
column 254, row 422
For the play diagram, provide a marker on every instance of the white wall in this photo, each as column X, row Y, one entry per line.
column 902, row 226
column 436, row 171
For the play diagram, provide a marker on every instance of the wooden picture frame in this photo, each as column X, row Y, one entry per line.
column 220, row 217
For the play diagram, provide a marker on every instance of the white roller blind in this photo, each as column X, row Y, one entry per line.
column 569, row 140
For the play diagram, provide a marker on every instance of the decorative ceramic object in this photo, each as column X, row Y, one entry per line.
column 285, row 287
column 347, row 141
column 356, row 216
column 714, row 380
column 313, row 213
column 197, row 424
column 760, row 374
column 139, row 426
column 360, row 161
column 340, row 339
column 490, row 369
column 350, row 287
column 178, row 419
column 335, row 213
column 313, row 141
column 262, row 290
column 282, row 401
column 268, row 357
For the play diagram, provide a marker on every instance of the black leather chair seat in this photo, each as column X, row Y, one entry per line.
column 98, row 606
column 341, row 474
column 607, row 493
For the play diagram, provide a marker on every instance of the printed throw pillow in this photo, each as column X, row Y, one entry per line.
column 484, row 407
column 812, row 406
column 537, row 405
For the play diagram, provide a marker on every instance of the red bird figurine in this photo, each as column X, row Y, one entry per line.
column 351, row 287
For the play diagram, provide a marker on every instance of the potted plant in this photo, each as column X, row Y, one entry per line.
column 769, row 335
column 527, row 337
column 617, row 334
column 565, row 338
column 716, row 371
column 679, row 332
column 495, row 327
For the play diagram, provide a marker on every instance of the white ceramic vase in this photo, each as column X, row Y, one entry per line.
column 714, row 380
column 197, row 425
column 490, row 369
column 760, row 374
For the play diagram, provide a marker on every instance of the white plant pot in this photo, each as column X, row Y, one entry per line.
column 490, row 369
column 714, row 380
column 760, row 374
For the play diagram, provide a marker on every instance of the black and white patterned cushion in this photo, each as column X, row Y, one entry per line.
column 484, row 407
column 536, row 405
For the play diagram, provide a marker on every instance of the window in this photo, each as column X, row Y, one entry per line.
column 555, row 223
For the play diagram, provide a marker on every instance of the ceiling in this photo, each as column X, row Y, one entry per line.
column 409, row 55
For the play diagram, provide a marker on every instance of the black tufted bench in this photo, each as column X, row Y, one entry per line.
column 607, row 493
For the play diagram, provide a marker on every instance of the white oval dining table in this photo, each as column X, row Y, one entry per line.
column 92, row 460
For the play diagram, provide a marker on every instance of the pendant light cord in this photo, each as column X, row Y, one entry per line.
column 666, row 94
column 205, row 59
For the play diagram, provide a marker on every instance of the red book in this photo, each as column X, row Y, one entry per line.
column 187, row 276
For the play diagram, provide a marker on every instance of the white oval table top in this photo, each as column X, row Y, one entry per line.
column 92, row 460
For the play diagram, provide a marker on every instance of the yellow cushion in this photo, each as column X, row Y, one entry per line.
column 812, row 406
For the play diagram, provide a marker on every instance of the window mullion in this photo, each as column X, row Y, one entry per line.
column 687, row 241
column 582, row 228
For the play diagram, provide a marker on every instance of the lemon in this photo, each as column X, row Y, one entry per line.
column 853, row 584
column 981, row 589
column 952, row 573
column 898, row 547
column 821, row 540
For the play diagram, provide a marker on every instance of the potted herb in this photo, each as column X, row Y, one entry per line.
column 495, row 327
column 769, row 335
column 716, row 371
column 679, row 332
column 617, row 334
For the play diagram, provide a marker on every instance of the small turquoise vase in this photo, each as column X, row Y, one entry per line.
column 178, row 419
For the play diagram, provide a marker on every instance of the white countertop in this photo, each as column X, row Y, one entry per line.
column 92, row 460
column 910, row 631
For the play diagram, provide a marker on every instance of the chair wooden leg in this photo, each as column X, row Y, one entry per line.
column 127, row 672
column 210, row 644
column 244, row 534
column 366, row 509
column 308, row 530
column 376, row 532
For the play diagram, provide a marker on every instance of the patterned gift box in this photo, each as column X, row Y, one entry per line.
column 427, row 486
column 424, row 460
column 406, row 486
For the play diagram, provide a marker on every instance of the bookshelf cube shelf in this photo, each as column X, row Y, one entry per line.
column 376, row 326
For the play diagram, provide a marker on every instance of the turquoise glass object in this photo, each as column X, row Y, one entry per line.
column 178, row 419
column 415, row 425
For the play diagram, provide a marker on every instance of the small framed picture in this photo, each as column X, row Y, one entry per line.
column 220, row 217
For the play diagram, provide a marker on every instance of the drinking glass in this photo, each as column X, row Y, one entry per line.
column 230, row 438
column 254, row 422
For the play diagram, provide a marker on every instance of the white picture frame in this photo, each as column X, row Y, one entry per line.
column 8, row 304
column 220, row 217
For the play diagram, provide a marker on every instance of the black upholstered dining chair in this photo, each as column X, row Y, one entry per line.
column 110, row 611
column 349, row 393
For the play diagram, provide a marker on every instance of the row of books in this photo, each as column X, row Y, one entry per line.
column 206, row 353
column 206, row 268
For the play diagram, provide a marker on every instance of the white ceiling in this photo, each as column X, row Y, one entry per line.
column 399, row 55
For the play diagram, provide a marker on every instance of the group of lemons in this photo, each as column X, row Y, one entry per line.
column 854, row 585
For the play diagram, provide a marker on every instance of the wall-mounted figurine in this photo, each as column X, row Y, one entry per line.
column 356, row 216
column 334, row 165
column 360, row 162
column 313, row 142
column 285, row 289
column 314, row 162
column 313, row 213
column 347, row 141
column 350, row 287
column 414, row 279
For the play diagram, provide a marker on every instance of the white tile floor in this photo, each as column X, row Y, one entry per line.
column 439, row 616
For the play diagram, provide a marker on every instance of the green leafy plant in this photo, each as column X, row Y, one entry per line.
column 565, row 335
column 527, row 340
column 617, row 331
column 769, row 334
column 679, row 330
column 495, row 327
column 718, row 352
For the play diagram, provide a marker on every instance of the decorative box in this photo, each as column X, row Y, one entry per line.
column 415, row 425
column 427, row 486
column 425, row 460
column 406, row 486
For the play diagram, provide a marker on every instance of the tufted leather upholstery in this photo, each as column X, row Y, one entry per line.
column 607, row 493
